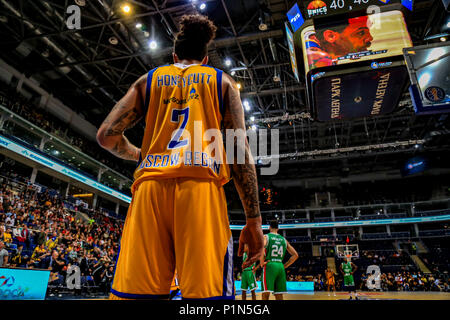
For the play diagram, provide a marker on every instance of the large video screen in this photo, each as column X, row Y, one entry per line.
column 290, row 40
column 325, row 8
column 362, row 38
column 429, row 69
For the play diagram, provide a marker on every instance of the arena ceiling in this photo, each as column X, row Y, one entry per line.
column 91, row 68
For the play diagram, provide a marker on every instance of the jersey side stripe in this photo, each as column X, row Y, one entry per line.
column 147, row 91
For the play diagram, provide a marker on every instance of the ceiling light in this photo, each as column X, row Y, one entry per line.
column 138, row 25
column 254, row 127
column 233, row 73
column 246, row 105
column 113, row 40
column 146, row 34
column 262, row 25
column 239, row 86
column 252, row 118
column 443, row 39
column 126, row 8
column 228, row 62
column 153, row 44
column 202, row 6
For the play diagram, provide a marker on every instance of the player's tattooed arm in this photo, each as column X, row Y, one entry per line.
column 244, row 175
column 125, row 114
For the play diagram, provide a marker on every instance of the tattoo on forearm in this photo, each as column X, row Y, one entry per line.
column 244, row 175
column 247, row 186
column 125, row 121
column 124, row 149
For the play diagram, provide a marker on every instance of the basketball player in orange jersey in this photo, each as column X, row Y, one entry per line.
column 178, row 213
column 330, row 281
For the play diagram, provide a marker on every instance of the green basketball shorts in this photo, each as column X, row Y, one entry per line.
column 349, row 281
column 248, row 281
column 274, row 278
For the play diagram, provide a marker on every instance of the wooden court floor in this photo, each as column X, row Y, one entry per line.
column 398, row 295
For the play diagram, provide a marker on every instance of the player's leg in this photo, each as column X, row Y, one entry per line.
column 244, row 284
column 203, row 241
column 253, row 285
column 267, row 281
column 146, row 262
column 254, row 294
column 280, row 282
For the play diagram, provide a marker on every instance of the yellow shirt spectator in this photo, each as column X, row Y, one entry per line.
column 50, row 244
column 7, row 238
column 37, row 253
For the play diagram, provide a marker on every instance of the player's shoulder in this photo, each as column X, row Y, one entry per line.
column 228, row 80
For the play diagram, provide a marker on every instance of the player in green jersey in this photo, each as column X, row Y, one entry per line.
column 348, row 268
column 248, row 279
column 274, row 274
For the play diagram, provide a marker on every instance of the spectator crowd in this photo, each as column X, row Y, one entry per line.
column 38, row 231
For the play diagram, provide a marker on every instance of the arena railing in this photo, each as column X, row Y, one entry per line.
column 25, row 124
column 434, row 233
column 433, row 212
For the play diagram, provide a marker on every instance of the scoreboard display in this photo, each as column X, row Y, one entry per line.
column 312, row 9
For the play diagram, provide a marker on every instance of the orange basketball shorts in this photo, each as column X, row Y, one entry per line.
column 175, row 223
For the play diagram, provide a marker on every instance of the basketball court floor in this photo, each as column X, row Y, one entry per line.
column 400, row 295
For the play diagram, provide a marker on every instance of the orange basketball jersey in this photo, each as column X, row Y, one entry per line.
column 181, row 104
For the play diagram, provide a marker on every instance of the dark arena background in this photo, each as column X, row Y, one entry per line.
column 363, row 138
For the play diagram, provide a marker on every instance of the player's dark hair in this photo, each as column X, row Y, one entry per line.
column 336, row 28
column 196, row 32
column 274, row 224
column 339, row 26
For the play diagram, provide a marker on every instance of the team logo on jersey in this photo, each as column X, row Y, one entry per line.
column 316, row 8
column 193, row 95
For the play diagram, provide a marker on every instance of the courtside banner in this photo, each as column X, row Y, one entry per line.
column 377, row 222
column 23, row 284
column 292, row 286
column 36, row 157
column 380, row 35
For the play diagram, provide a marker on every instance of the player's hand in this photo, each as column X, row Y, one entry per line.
column 251, row 235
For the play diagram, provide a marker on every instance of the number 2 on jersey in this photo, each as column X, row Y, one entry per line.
column 175, row 143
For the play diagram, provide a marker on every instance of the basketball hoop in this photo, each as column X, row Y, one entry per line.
column 347, row 251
